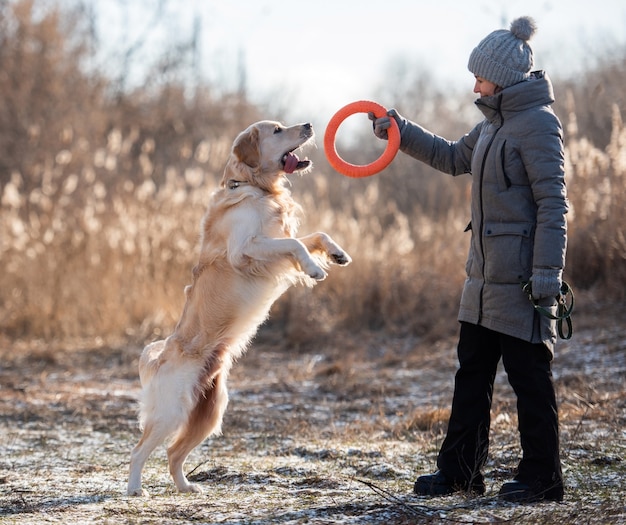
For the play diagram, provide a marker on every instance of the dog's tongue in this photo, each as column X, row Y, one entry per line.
column 291, row 162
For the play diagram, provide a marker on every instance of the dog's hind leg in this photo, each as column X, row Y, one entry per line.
column 152, row 437
column 204, row 420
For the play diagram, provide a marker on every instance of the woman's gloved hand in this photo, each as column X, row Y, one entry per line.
column 382, row 124
column 546, row 282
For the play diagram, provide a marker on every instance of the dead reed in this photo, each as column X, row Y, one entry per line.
column 92, row 251
column 102, row 192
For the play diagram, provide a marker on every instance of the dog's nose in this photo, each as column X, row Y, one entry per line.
column 308, row 125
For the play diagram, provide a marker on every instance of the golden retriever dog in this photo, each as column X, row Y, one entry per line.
column 249, row 255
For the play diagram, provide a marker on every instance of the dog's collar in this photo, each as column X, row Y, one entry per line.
column 234, row 184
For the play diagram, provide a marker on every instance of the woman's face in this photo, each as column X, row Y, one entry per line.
column 484, row 87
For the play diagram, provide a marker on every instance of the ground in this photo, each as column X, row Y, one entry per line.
column 335, row 434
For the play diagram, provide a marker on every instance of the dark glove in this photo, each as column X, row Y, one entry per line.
column 546, row 282
column 382, row 124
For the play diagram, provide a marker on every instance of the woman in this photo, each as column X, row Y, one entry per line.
column 519, row 234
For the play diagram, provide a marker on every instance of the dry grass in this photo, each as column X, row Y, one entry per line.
column 597, row 180
column 331, row 435
column 91, row 253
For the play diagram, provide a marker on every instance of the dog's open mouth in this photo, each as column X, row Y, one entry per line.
column 291, row 162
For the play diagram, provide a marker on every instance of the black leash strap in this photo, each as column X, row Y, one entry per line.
column 564, row 308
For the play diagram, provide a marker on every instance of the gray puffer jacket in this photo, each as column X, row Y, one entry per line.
column 518, row 207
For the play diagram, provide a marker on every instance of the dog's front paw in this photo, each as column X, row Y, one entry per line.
column 341, row 258
column 318, row 276
column 314, row 271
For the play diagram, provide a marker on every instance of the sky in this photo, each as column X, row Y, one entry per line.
column 319, row 55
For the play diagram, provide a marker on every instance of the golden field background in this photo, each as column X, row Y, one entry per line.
column 102, row 190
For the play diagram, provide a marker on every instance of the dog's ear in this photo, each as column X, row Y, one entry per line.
column 246, row 148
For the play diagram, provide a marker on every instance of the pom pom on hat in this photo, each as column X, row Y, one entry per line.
column 523, row 28
column 504, row 57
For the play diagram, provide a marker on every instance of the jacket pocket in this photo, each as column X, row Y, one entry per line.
column 508, row 251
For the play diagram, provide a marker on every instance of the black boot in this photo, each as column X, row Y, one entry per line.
column 438, row 484
column 519, row 492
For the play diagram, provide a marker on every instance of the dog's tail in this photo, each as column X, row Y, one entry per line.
column 210, row 399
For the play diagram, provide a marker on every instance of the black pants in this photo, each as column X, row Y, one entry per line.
column 465, row 448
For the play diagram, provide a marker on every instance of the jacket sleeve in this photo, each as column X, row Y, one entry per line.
column 452, row 157
column 543, row 158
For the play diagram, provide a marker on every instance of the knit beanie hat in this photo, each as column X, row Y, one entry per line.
column 504, row 56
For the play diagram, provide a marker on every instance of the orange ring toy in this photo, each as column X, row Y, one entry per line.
column 353, row 170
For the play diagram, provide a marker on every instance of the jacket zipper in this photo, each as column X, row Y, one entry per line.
column 482, row 212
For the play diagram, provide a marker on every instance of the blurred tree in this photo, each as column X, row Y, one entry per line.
column 595, row 92
column 45, row 92
column 58, row 98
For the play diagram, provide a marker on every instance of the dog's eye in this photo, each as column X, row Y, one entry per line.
column 278, row 129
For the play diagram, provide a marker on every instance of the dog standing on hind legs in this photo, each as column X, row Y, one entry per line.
column 249, row 255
